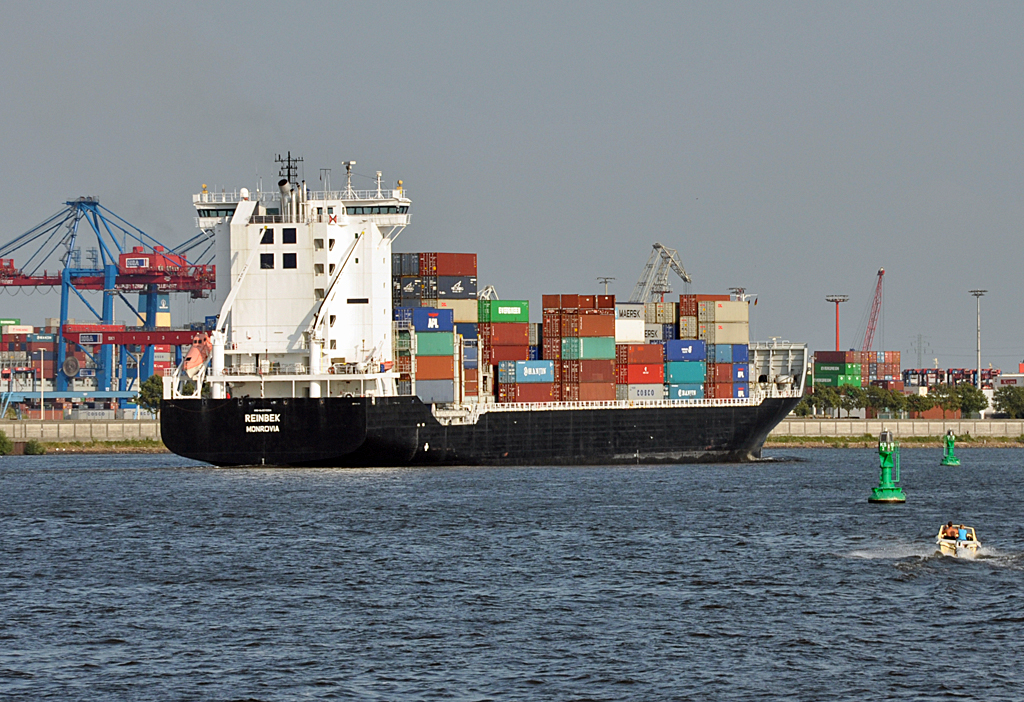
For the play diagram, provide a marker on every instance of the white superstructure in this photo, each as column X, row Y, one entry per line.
column 306, row 279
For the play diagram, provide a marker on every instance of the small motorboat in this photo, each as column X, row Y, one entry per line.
column 964, row 545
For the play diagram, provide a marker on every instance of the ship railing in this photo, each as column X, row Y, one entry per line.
column 232, row 196
column 615, row 404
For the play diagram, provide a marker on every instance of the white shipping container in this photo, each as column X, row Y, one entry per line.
column 653, row 332
column 629, row 311
column 629, row 331
column 668, row 312
column 731, row 333
column 651, row 313
column 687, row 327
column 463, row 311
column 18, row 329
column 706, row 311
column 645, row 392
column 732, row 311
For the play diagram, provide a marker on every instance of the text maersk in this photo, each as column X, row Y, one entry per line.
column 262, row 423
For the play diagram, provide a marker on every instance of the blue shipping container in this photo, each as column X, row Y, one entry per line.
column 402, row 314
column 430, row 319
column 723, row 353
column 669, row 332
column 526, row 372
column 470, row 354
column 691, row 391
column 740, row 390
column 685, row 350
column 534, row 353
column 396, row 264
column 435, row 390
column 740, row 353
column 460, row 287
column 468, row 331
column 740, row 373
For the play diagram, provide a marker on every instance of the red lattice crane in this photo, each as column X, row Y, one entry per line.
column 876, row 306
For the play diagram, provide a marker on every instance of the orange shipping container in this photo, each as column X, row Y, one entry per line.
column 510, row 334
column 723, row 374
column 597, row 325
column 596, row 392
column 645, row 374
column 435, row 368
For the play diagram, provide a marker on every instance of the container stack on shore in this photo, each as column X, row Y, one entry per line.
column 858, row 368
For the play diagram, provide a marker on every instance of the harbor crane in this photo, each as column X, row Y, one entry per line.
column 653, row 283
column 122, row 259
column 876, row 306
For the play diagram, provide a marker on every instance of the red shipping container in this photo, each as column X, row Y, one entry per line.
column 606, row 302
column 712, row 298
column 485, row 355
column 570, row 324
column 592, row 325
column 688, row 306
column 570, row 302
column 405, row 364
column 723, row 390
column 509, row 353
column 534, row 392
column 552, row 324
column 471, row 389
column 550, row 302
column 723, row 373
column 588, row 302
column 470, row 374
column 645, row 374
column 596, row 371
column 551, row 348
column 435, row 368
column 509, row 334
column 570, row 392
column 621, row 372
column 596, row 392
column 456, row 264
column 569, row 372
column 428, row 264
column 632, row 354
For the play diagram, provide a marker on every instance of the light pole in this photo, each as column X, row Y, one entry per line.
column 977, row 294
column 837, row 299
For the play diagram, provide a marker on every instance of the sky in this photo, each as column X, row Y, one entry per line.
column 789, row 148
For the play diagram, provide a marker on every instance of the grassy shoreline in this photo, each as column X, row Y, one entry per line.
column 908, row 442
column 123, row 446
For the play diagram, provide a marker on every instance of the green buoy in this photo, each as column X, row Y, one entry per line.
column 948, row 457
column 889, row 461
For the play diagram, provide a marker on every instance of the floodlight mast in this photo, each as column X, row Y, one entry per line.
column 978, row 294
column 837, row 299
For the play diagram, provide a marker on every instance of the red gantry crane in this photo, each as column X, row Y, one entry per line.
column 876, row 306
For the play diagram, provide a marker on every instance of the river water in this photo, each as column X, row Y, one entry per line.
column 155, row 578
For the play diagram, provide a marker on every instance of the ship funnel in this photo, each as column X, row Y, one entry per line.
column 286, row 196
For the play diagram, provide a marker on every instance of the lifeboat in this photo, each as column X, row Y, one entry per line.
column 197, row 356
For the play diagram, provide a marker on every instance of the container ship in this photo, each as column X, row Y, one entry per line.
column 330, row 350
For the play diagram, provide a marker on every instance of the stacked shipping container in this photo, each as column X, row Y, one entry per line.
column 859, row 368
column 578, row 334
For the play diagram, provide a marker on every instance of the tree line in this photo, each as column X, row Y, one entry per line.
column 966, row 398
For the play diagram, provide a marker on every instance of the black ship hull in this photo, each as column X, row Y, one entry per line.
column 402, row 431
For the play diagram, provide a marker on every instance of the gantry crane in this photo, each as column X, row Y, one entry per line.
column 653, row 283
column 147, row 267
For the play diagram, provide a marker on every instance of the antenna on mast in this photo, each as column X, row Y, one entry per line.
column 289, row 168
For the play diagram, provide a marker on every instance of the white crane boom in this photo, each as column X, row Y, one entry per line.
column 654, row 279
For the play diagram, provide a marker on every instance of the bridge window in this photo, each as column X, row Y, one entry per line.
column 333, row 319
column 288, row 261
column 318, row 268
column 268, row 237
column 318, row 244
column 331, row 270
column 267, row 261
column 330, row 244
column 288, row 235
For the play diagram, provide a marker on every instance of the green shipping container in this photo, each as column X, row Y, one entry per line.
column 685, row 372
column 837, row 369
column 9, row 322
column 829, row 380
column 435, row 344
column 503, row 311
column 590, row 348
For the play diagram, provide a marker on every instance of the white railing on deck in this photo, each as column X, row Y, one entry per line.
column 311, row 196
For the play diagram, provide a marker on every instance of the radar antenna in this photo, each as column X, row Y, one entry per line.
column 289, row 167
column 653, row 282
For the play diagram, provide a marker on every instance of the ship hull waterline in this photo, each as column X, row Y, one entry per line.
column 402, row 431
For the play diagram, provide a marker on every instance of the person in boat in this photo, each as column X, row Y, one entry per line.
column 949, row 531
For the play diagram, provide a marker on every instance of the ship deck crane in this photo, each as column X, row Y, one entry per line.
column 653, row 282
